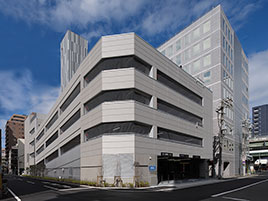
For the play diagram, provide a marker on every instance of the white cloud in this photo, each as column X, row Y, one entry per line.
column 100, row 17
column 258, row 82
column 22, row 95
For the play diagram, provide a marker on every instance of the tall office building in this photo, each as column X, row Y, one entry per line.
column 14, row 130
column 260, row 121
column 74, row 49
column 209, row 50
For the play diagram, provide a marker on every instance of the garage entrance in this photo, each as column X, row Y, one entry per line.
column 178, row 168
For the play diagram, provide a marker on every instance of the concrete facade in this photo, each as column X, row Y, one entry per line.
column 209, row 50
column 98, row 136
column 14, row 130
column 260, row 121
column 73, row 50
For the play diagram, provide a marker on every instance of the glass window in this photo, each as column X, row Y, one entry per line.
column 178, row 59
column 223, row 42
column 196, row 66
column 223, row 24
column 206, row 27
column 39, row 150
column 163, row 52
column 187, row 54
column 187, row 39
column 207, row 60
column 196, row 33
column 169, row 51
column 207, row 74
column 187, row 68
column 196, row 49
column 206, row 43
column 40, row 135
column 178, row 45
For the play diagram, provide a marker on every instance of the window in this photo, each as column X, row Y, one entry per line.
column 206, row 27
column 187, row 68
column 169, row 82
column 52, row 139
column 207, row 76
column 178, row 45
column 178, row 112
column 169, row 51
column 52, row 121
column 206, row 43
column 223, row 24
column 178, row 59
column 196, row 49
column 117, row 128
column 71, row 144
column 71, row 121
column 117, row 95
column 32, row 131
column 207, row 60
column 40, row 135
column 196, row 33
column 32, row 143
column 223, row 42
column 39, row 150
column 163, row 133
column 187, row 54
column 187, row 39
column 118, row 63
column 196, row 66
column 71, row 97
column 244, row 100
column 52, row 156
column 163, row 52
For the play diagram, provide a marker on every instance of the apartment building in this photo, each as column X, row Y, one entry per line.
column 260, row 120
column 209, row 50
column 128, row 112
column 14, row 130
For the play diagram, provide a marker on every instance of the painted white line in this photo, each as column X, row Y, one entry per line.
column 55, row 189
column 65, row 186
column 166, row 189
column 20, row 179
column 30, row 182
column 73, row 189
column 238, row 189
column 237, row 199
column 14, row 195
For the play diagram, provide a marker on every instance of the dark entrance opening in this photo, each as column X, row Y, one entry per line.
column 177, row 168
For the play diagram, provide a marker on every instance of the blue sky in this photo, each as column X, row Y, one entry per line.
column 31, row 31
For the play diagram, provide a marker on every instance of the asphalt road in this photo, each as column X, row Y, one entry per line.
column 252, row 188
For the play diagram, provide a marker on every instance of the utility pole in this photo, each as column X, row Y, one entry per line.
column 218, row 140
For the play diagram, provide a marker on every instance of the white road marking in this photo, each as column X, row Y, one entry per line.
column 55, row 189
column 165, row 189
column 65, row 186
column 14, row 195
column 30, row 182
column 237, row 199
column 238, row 189
column 73, row 189
column 20, row 179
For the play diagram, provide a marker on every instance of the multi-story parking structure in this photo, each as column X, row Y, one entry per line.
column 127, row 112
column 209, row 50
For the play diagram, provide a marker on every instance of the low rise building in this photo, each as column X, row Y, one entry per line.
column 127, row 113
